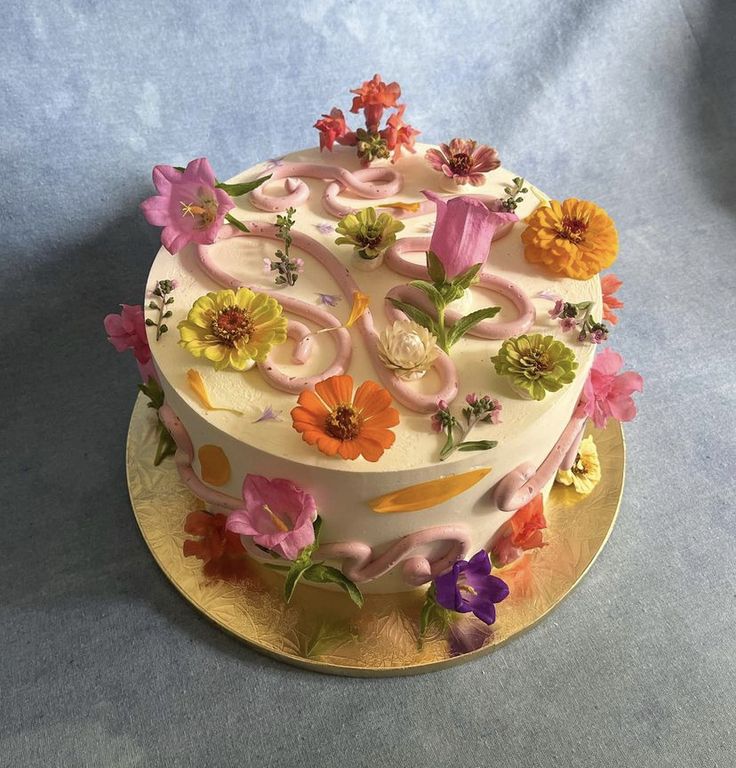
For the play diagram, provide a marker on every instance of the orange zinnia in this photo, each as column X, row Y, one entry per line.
column 574, row 238
column 338, row 423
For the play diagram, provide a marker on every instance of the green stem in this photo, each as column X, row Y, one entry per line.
column 441, row 332
column 451, row 445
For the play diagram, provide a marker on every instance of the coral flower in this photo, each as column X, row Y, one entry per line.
column 607, row 393
column 188, row 205
column 464, row 161
column 339, row 423
column 585, row 472
column 277, row 514
column 231, row 328
column 522, row 532
column 609, row 285
column 331, row 128
column 373, row 97
column 222, row 552
column 399, row 135
column 574, row 238
column 128, row 331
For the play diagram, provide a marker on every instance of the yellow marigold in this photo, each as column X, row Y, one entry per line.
column 585, row 472
column 574, row 238
column 233, row 328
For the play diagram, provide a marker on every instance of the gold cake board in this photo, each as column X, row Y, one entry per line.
column 322, row 630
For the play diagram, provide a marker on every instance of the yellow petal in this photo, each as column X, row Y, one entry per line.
column 429, row 494
column 360, row 304
column 413, row 207
column 197, row 385
column 215, row 465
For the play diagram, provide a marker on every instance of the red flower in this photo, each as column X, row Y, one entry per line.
column 609, row 285
column 522, row 532
column 222, row 551
column 331, row 128
column 398, row 134
column 373, row 97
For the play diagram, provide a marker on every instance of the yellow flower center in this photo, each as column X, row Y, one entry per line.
column 277, row 521
column 343, row 423
column 579, row 467
column 232, row 324
column 204, row 210
column 573, row 229
column 460, row 164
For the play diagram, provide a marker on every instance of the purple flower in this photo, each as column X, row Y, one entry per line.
column 188, row 205
column 568, row 324
column 495, row 414
column 463, row 231
column 469, row 587
column 268, row 415
column 278, row 515
column 274, row 162
column 471, row 399
column 556, row 311
column 325, row 227
column 328, row 299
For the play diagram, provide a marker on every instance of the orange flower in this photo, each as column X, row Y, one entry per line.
column 373, row 97
column 574, row 238
column 360, row 304
column 609, row 285
column 527, row 525
column 338, row 423
column 221, row 550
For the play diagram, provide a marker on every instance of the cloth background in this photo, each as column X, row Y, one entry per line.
column 630, row 104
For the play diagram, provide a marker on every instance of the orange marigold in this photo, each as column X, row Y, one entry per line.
column 337, row 422
column 574, row 238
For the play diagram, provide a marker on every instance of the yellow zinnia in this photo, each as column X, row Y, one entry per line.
column 233, row 328
column 574, row 238
column 585, row 471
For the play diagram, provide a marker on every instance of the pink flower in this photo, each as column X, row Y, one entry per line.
column 464, row 161
column 277, row 514
column 128, row 331
column 556, row 311
column 609, row 285
column 463, row 231
column 373, row 97
column 188, row 205
column 607, row 393
column 568, row 324
column 398, row 134
column 331, row 128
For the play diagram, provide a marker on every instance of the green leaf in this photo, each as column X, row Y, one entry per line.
column 449, row 445
column 236, row 190
column 477, row 445
column 237, row 224
column 425, row 618
column 435, row 268
column 464, row 324
column 434, row 295
column 179, row 168
column 296, row 572
column 416, row 314
column 317, row 525
column 152, row 390
column 326, row 574
column 166, row 446
column 467, row 278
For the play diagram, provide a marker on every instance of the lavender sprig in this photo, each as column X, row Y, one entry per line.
column 484, row 409
column 161, row 292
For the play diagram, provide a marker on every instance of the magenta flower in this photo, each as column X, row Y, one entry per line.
column 128, row 331
column 463, row 231
column 188, row 205
column 469, row 587
column 464, row 161
column 278, row 515
column 607, row 393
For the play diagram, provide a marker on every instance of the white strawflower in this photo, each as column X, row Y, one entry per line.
column 408, row 349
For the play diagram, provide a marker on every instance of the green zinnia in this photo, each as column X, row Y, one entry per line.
column 367, row 232
column 536, row 364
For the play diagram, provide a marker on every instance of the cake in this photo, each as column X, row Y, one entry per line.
column 371, row 360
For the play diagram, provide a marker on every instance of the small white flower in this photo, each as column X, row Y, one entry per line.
column 407, row 349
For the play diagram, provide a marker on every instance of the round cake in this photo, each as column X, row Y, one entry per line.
column 442, row 509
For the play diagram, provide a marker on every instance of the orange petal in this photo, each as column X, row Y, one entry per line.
column 335, row 391
column 360, row 304
column 371, row 399
column 197, row 385
column 215, row 465
column 384, row 437
column 413, row 207
column 311, row 403
column 372, row 450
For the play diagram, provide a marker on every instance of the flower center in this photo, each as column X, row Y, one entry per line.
column 535, row 363
column 343, row 423
column 573, row 229
column 233, row 324
column 277, row 521
column 461, row 164
column 578, row 467
column 204, row 210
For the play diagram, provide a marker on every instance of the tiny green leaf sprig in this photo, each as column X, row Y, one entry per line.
column 441, row 293
column 304, row 568
column 163, row 299
column 514, row 194
column 484, row 409
column 287, row 269
column 166, row 445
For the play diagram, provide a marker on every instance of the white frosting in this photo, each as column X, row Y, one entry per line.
column 342, row 489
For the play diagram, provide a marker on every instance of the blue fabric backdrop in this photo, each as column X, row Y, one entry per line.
column 630, row 104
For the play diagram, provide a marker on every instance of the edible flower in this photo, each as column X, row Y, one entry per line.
column 464, row 161
column 277, row 514
column 370, row 234
column 331, row 128
column 360, row 304
column 535, row 364
column 373, row 97
column 408, row 349
column 222, row 551
column 233, row 328
column 341, row 423
column 519, row 534
column 585, row 472
column 575, row 238
column 470, row 587
column 609, row 285
column 399, row 135
column 607, row 393
column 128, row 331
column 198, row 386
